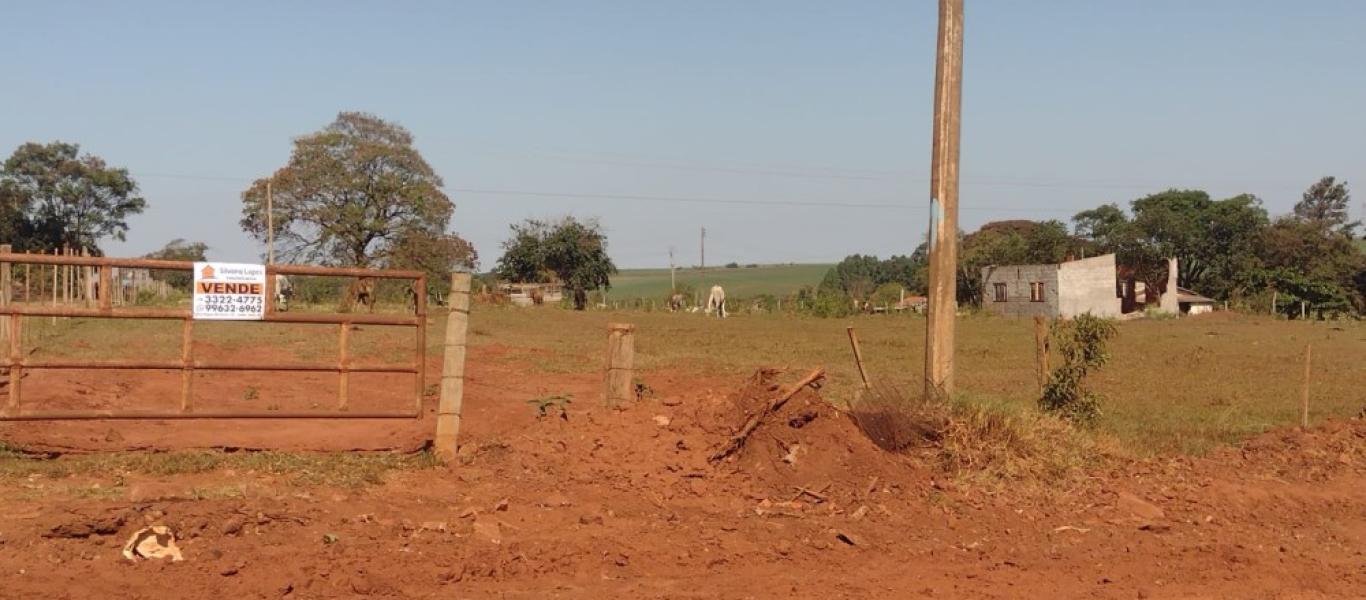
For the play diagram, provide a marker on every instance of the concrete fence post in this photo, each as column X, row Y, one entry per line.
column 621, row 357
column 453, row 368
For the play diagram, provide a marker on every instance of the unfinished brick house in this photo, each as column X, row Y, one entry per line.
column 1064, row 290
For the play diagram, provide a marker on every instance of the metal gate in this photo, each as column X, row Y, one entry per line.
column 17, row 363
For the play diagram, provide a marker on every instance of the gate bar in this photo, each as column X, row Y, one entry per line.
column 102, row 415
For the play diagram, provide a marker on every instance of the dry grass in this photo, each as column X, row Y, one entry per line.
column 1179, row 385
column 1185, row 385
column 344, row 469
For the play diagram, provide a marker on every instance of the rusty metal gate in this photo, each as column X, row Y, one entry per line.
column 17, row 363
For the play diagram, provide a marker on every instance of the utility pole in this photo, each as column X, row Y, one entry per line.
column 704, row 249
column 270, row 224
column 673, row 282
column 948, row 98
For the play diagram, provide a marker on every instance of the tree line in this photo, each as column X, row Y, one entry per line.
column 1230, row 250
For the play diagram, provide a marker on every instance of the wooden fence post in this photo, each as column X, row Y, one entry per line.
column 621, row 357
column 1304, row 396
column 453, row 369
column 7, row 293
column 1041, row 350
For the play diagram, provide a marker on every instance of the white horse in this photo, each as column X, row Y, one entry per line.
column 284, row 290
column 717, row 301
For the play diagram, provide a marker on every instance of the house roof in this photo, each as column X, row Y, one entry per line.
column 1185, row 295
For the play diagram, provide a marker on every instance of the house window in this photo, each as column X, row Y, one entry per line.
column 1036, row 291
column 1000, row 291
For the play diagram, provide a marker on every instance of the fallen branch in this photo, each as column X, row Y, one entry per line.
column 738, row 441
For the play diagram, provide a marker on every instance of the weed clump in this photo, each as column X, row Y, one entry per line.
column 1081, row 341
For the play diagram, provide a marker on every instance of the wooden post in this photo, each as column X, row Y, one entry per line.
column 106, row 288
column 449, row 409
column 1304, row 310
column 858, row 357
column 943, row 242
column 88, row 274
column 187, row 365
column 344, row 366
column 6, row 290
column 270, row 222
column 55, row 270
column 621, row 357
column 16, row 370
column 1304, row 396
column 1041, row 350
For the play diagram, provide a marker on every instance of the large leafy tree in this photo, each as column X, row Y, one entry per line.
column 1326, row 203
column 181, row 250
column 353, row 194
column 51, row 195
column 1304, row 261
column 1215, row 242
column 567, row 250
column 1014, row 242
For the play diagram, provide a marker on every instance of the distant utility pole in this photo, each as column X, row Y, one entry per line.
column 673, row 283
column 270, row 224
column 704, row 248
column 948, row 100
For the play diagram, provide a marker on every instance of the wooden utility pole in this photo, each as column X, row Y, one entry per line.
column 673, row 281
column 270, row 224
column 948, row 97
column 704, row 249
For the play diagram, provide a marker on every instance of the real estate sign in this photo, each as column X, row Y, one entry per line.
column 229, row 291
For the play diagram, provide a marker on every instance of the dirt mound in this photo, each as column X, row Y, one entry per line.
column 807, row 448
column 1307, row 455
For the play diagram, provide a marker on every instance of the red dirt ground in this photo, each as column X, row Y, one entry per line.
column 624, row 503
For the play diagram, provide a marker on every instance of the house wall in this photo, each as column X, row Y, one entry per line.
column 1088, row 286
column 1017, row 279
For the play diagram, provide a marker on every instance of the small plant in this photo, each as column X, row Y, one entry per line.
column 1081, row 342
column 548, row 405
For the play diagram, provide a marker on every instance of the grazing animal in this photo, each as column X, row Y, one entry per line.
column 676, row 302
column 284, row 291
column 716, row 301
column 361, row 292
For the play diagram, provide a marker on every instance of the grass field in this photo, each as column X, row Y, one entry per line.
column 776, row 280
column 1184, row 385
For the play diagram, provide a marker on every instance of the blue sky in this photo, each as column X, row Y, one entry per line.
column 1067, row 104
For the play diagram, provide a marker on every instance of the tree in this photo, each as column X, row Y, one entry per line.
column 1014, row 242
column 855, row 277
column 51, row 196
column 351, row 194
column 1304, row 262
column 1326, row 203
column 180, row 250
column 1215, row 242
column 437, row 255
column 568, row 250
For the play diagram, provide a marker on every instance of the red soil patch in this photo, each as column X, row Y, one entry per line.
column 624, row 503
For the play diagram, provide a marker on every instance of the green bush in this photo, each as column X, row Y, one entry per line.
column 1081, row 343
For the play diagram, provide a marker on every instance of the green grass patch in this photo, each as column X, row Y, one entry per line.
column 741, row 282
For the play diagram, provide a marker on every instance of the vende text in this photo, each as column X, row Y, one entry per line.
column 206, row 287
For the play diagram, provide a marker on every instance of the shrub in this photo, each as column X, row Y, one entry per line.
column 1081, row 342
